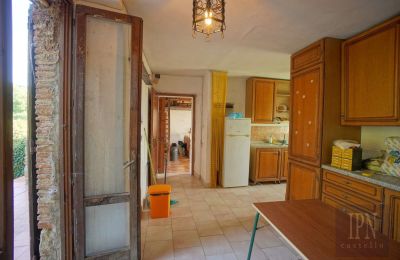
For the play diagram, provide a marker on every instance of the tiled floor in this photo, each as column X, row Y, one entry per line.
column 180, row 166
column 21, row 219
column 212, row 224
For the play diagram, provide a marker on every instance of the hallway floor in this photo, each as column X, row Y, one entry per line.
column 180, row 166
column 212, row 224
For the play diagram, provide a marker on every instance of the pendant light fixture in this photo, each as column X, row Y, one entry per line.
column 208, row 17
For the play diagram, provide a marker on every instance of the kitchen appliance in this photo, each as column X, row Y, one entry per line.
column 235, row 171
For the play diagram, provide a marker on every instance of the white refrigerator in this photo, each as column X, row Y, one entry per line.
column 235, row 171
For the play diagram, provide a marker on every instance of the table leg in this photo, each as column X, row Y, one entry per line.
column 253, row 234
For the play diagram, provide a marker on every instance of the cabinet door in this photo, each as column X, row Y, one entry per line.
column 263, row 101
column 371, row 78
column 304, row 182
column 267, row 164
column 284, row 165
column 306, row 113
column 391, row 221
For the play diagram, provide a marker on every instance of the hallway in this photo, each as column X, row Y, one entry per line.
column 212, row 224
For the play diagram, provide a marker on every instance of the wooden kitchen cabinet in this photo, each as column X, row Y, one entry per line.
column 284, row 165
column 370, row 76
column 391, row 216
column 306, row 116
column 260, row 100
column 267, row 164
column 303, row 182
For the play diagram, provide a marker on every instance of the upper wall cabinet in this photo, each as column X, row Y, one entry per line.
column 260, row 98
column 267, row 99
column 370, row 76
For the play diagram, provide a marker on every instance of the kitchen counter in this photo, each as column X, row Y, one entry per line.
column 267, row 145
column 385, row 181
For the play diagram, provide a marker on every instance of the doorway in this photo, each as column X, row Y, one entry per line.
column 22, row 178
column 176, row 134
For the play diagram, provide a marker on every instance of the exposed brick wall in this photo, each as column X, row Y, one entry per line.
column 46, row 59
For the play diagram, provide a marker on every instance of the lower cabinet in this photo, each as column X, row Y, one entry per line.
column 303, row 182
column 391, row 216
column 268, row 164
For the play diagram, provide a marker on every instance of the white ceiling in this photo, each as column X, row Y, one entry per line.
column 260, row 35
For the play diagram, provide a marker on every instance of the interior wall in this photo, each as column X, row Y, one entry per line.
column 206, row 130
column 236, row 93
column 180, row 123
column 193, row 85
column 373, row 137
column 144, row 159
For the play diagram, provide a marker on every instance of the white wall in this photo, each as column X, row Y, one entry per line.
column 181, row 124
column 143, row 145
column 372, row 137
column 193, row 85
column 206, row 130
column 236, row 93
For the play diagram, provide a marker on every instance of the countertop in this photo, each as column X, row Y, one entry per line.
column 260, row 144
column 385, row 181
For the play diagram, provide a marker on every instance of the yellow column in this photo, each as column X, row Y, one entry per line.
column 219, row 86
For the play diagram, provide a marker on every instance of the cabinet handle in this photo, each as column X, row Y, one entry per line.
column 303, row 97
column 312, row 81
column 299, row 112
column 309, row 122
column 296, row 132
column 307, row 144
column 297, row 92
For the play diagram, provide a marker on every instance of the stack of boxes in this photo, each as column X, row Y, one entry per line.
column 347, row 159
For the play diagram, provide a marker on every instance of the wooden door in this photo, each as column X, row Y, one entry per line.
column 154, row 128
column 391, row 217
column 6, row 148
column 304, row 182
column 106, row 134
column 305, row 142
column 284, row 164
column 263, row 101
column 267, row 164
column 371, row 90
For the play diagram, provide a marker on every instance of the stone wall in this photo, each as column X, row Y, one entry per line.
column 46, row 59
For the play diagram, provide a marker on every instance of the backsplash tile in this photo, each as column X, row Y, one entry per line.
column 262, row 133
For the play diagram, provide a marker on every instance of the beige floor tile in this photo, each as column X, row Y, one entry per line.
column 186, row 238
column 241, row 250
column 204, row 215
column 217, row 210
column 157, row 233
column 185, row 223
column 236, row 233
column 181, row 212
column 215, row 245
column 191, row 253
column 159, row 250
column 208, row 228
column 279, row 253
column 159, row 222
column 266, row 238
column 226, row 220
column 230, row 256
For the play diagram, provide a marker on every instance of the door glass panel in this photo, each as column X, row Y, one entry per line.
column 106, row 128
column 107, row 227
column 106, row 132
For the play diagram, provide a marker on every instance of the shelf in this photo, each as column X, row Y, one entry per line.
column 282, row 95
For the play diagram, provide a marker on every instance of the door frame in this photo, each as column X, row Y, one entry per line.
column 77, row 96
column 6, row 132
column 193, row 96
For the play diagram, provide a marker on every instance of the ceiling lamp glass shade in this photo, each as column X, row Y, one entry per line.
column 208, row 17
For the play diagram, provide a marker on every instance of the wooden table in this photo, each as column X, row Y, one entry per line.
column 318, row 231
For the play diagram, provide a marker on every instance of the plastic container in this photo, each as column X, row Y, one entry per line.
column 160, row 195
column 173, row 154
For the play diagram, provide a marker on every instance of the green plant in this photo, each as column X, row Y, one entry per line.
column 19, row 157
